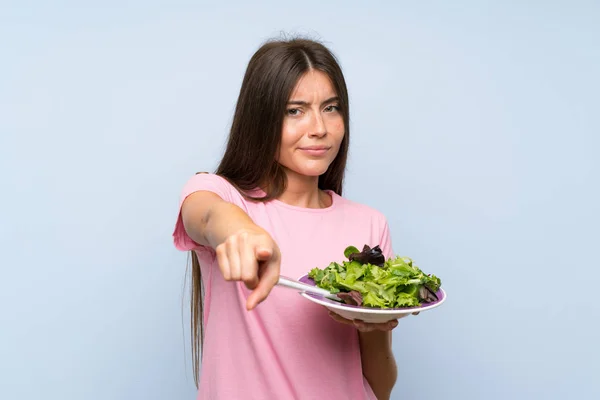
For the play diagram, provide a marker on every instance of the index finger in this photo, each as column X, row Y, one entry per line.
column 268, row 277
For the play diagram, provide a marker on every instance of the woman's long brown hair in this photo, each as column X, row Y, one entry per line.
column 250, row 159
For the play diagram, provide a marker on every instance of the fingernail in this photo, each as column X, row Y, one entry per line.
column 393, row 324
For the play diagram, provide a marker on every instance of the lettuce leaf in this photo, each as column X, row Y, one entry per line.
column 368, row 277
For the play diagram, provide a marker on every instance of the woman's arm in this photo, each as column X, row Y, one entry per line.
column 379, row 365
column 245, row 251
column 210, row 220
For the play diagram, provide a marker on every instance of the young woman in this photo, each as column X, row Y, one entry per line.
column 274, row 206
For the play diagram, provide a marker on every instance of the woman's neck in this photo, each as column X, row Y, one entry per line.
column 303, row 191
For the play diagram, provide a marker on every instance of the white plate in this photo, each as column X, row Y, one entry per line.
column 369, row 314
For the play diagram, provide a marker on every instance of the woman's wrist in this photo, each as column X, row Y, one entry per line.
column 376, row 338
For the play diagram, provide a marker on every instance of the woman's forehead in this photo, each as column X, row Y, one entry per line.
column 314, row 84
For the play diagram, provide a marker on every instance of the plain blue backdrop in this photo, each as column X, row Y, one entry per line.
column 475, row 129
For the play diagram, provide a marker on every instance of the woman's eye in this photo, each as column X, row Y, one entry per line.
column 293, row 111
column 332, row 108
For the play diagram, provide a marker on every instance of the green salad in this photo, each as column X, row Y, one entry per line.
column 367, row 279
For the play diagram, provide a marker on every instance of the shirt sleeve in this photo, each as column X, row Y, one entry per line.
column 203, row 182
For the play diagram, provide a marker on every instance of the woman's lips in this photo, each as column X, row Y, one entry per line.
column 315, row 151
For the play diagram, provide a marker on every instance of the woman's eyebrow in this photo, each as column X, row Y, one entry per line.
column 304, row 103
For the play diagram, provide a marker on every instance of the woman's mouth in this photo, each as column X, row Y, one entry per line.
column 315, row 151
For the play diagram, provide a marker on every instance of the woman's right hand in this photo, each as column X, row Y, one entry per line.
column 253, row 257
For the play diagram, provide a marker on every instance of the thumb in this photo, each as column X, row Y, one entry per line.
column 263, row 254
column 268, row 277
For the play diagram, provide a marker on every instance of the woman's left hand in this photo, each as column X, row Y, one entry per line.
column 364, row 326
column 367, row 327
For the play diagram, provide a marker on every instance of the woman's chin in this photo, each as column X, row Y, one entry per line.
column 312, row 168
column 310, row 172
column 314, row 171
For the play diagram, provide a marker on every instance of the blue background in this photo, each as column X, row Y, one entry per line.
column 475, row 130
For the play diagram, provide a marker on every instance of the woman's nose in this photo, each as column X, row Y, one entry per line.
column 317, row 128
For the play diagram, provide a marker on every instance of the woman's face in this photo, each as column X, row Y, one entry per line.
column 313, row 127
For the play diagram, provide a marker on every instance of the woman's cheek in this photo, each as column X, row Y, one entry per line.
column 338, row 128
